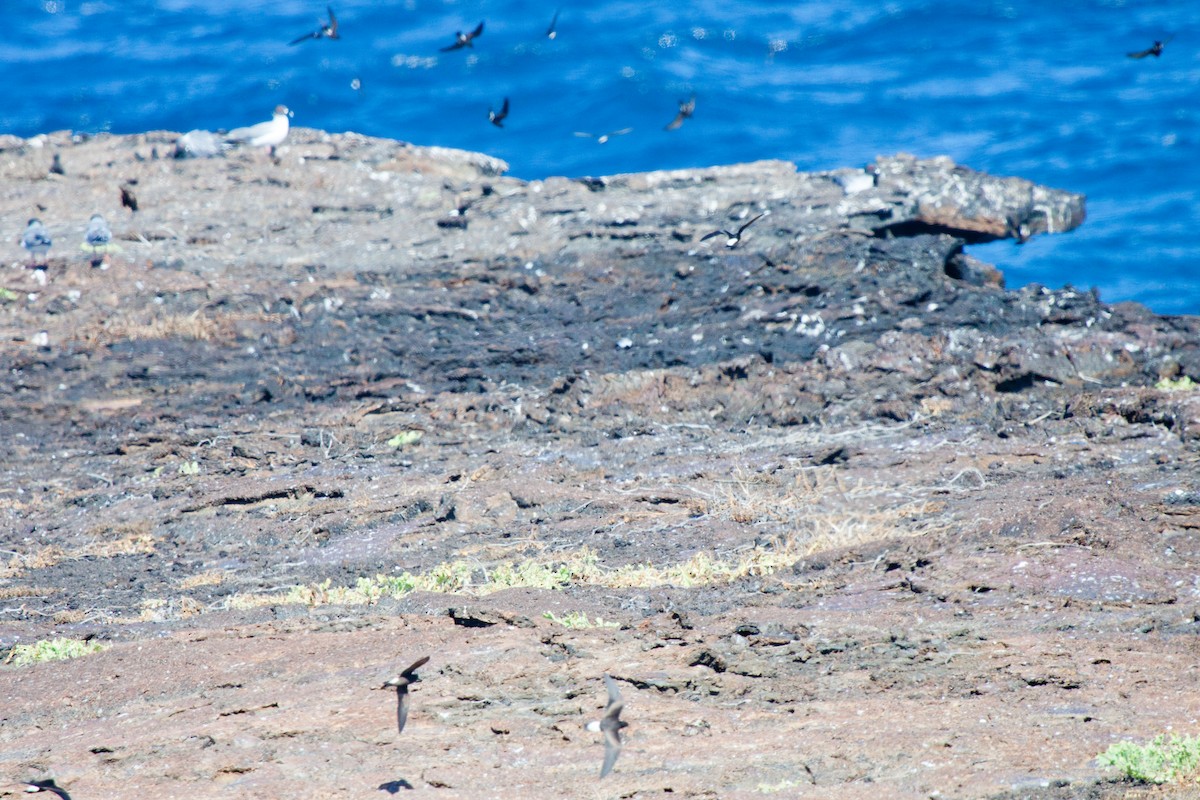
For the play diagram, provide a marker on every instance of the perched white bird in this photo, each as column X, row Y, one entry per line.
column 36, row 240
column 264, row 134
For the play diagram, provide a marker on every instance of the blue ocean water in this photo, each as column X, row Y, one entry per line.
column 1035, row 89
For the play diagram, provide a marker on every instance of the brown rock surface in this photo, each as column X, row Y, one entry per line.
column 912, row 534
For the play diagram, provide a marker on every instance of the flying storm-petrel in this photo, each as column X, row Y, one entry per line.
column 497, row 117
column 401, row 683
column 732, row 239
column 1153, row 50
column 327, row 30
column 610, row 725
column 47, row 785
column 686, row 109
column 464, row 39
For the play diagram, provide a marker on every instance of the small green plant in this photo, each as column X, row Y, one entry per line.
column 1161, row 761
column 404, row 439
column 189, row 468
column 578, row 619
column 51, row 650
column 581, row 568
column 7, row 295
column 1184, row 384
column 530, row 574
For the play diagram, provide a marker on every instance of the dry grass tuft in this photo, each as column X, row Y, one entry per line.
column 819, row 510
column 581, row 568
column 816, row 510
column 150, row 324
column 165, row 326
column 10, row 592
column 130, row 539
column 213, row 577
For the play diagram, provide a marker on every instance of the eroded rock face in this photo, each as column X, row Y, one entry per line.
column 367, row 358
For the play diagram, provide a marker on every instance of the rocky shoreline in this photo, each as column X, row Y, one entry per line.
column 864, row 522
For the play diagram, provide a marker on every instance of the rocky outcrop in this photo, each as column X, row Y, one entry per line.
column 840, row 457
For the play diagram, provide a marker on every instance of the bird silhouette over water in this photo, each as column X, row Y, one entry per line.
column 464, row 39
column 327, row 30
column 47, row 785
column 552, row 31
column 1153, row 50
column 497, row 117
column 37, row 241
column 610, row 725
column 732, row 239
column 401, row 683
column 686, row 109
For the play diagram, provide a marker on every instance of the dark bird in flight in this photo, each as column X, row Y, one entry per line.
column 497, row 117
column 1153, row 50
column 686, row 109
column 603, row 137
column 327, row 30
column 401, row 683
column 464, row 39
column 610, row 725
column 47, row 785
column 732, row 239
column 551, row 32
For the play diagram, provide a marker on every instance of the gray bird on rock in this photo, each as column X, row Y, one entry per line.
column 36, row 240
column 97, row 239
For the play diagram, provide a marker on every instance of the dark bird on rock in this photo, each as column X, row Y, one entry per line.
column 497, row 117
column 36, row 240
column 56, row 166
column 128, row 198
column 464, row 39
column 401, row 683
column 552, row 31
column 47, row 785
column 686, row 109
column 603, row 137
column 328, row 30
column 1153, row 50
column 732, row 239
column 610, row 725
